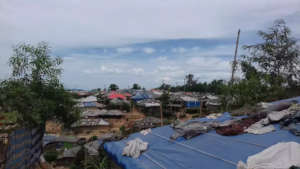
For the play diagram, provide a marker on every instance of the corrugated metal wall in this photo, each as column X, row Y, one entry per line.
column 24, row 148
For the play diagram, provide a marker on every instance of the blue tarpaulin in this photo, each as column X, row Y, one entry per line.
column 141, row 96
column 207, row 151
column 192, row 104
column 89, row 104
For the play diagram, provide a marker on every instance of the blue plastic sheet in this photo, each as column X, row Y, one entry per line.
column 192, row 104
column 141, row 96
column 206, row 151
column 89, row 104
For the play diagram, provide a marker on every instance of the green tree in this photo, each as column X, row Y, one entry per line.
column 277, row 56
column 136, row 86
column 113, row 87
column 34, row 91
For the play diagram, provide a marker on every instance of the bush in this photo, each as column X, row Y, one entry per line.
column 68, row 145
column 50, row 156
column 93, row 138
column 123, row 130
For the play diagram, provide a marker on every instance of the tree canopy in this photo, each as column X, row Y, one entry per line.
column 277, row 56
column 113, row 87
column 136, row 86
column 34, row 90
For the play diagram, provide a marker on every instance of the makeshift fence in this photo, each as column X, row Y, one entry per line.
column 24, row 148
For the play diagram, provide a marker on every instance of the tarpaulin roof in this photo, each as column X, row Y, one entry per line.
column 209, row 151
column 141, row 96
column 88, row 99
column 114, row 95
column 89, row 104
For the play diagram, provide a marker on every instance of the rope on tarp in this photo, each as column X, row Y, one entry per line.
column 236, row 140
column 152, row 160
column 197, row 150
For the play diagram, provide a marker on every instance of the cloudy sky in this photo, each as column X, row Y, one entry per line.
column 142, row 41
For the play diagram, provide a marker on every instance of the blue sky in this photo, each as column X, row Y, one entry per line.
column 139, row 41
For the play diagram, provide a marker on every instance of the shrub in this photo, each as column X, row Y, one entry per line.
column 50, row 156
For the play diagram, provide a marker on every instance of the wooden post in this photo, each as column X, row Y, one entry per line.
column 161, row 116
column 235, row 56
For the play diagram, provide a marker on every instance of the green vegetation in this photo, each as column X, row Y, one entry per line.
column 136, row 86
column 113, row 87
column 93, row 138
column 50, row 156
column 270, row 70
column 68, row 145
column 34, row 92
column 123, row 130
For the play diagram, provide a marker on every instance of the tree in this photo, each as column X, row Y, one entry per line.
column 136, row 86
column 34, row 91
column 277, row 57
column 190, row 81
column 113, row 87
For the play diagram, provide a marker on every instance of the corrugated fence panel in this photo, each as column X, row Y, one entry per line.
column 24, row 148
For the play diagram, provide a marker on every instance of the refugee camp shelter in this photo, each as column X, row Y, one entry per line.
column 149, row 107
column 207, row 151
column 115, row 95
column 141, row 95
column 190, row 102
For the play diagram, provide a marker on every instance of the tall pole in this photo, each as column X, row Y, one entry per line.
column 235, row 56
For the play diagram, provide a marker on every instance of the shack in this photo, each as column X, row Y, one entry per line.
column 149, row 107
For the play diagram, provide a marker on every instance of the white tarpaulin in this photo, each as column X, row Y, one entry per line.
column 278, row 156
column 135, row 147
column 260, row 127
column 278, row 115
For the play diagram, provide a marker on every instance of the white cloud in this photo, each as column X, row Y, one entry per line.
column 137, row 71
column 162, row 58
column 119, row 23
column 149, row 50
column 179, row 50
column 125, row 50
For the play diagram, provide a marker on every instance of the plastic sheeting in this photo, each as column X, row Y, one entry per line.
column 141, row 96
column 135, row 147
column 208, row 151
column 281, row 156
column 164, row 153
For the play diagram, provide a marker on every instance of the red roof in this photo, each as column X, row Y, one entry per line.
column 114, row 95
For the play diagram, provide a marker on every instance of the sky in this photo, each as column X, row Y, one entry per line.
column 148, row 42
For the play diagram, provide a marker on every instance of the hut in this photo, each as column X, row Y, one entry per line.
column 149, row 107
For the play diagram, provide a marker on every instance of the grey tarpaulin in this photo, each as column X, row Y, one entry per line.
column 260, row 127
column 134, row 148
column 190, row 129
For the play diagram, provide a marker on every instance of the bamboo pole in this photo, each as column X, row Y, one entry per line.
column 235, row 56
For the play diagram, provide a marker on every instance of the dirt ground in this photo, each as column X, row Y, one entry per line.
column 127, row 121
